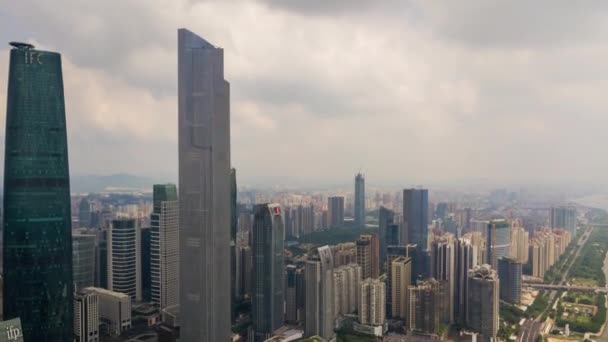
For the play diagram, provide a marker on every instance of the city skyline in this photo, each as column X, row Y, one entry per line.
column 449, row 111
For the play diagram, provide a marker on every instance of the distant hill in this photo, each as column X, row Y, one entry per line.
column 99, row 183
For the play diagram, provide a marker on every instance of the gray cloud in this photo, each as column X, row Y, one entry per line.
column 410, row 92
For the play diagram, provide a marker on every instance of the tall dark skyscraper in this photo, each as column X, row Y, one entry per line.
column 204, row 190
column 37, row 233
column 385, row 219
column 268, row 271
column 509, row 273
column 498, row 241
column 359, row 200
column 335, row 211
column 84, row 213
column 233, row 245
column 415, row 227
column 415, row 216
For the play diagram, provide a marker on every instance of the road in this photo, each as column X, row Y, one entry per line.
column 530, row 329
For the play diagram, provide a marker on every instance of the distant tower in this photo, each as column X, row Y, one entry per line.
column 204, row 185
column 37, row 236
column 482, row 307
column 335, row 210
column 499, row 241
column 415, row 217
column 359, row 200
column 385, row 219
column 84, row 213
column 164, row 246
column 465, row 259
column 291, row 309
column 268, row 270
column 442, row 265
column 320, row 295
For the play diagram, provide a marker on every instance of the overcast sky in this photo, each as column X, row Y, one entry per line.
column 407, row 91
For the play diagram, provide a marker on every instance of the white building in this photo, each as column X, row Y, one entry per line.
column 372, row 309
column 86, row 316
column 124, row 261
column 114, row 309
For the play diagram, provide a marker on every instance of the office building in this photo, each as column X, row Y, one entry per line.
column 400, row 280
column 114, row 309
column 335, row 211
column 482, row 308
column 509, row 273
column 465, row 259
column 291, row 309
column 415, row 226
column 204, row 184
column 393, row 252
column 372, row 307
column 234, row 285
column 499, row 241
column 124, row 262
column 246, row 271
column 425, row 307
column 164, row 246
column 84, row 214
column 86, row 316
column 386, row 218
column 563, row 217
column 479, row 242
column 145, row 240
column 83, row 259
column 443, row 270
column 268, row 270
column 37, row 237
column 359, row 200
column 320, row 303
column 368, row 256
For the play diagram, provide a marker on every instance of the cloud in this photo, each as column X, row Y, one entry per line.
column 409, row 92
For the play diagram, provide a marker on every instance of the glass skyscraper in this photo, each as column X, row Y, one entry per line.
column 359, row 200
column 204, row 186
column 37, row 234
column 268, row 271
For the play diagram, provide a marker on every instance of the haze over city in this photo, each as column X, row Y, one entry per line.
column 408, row 92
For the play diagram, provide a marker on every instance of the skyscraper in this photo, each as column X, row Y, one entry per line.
column 465, row 259
column 386, row 217
column 482, row 297
column 368, row 255
column 393, row 252
column 425, row 307
column 509, row 273
column 563, row 217
column 372, row 309
column 124, row 258
column 84, row 213
column 164, row 246
column 233, row 243
column 291, row 309
column 335, row 211
column 204, row 183
column 37, row 237
column 320, row 295
column 268, row 270
column 401, row 277
column 359, row 200
column 415, row 217
column 83, row 260
column 442, row 265
column 499, row 241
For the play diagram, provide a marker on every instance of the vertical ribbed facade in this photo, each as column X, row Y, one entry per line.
column 268, row 270
column 124, row 262
column 164, row 246
column 84, row 257
column 204, row 184
column 509, row 273
column 359, row 200
column 499, row 241
column 335, row 211
column 385, row 219
column 415, row 226
column 37, row 238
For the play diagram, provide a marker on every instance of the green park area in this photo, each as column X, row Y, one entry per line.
column 587, row 268
column 335, row 236
column 583, row 312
